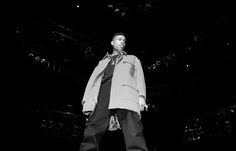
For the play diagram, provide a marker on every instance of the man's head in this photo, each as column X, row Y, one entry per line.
column 118, row 41
column 118, row 34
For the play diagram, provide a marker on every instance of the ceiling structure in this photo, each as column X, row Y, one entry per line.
column 152, row 27
column 170, row 37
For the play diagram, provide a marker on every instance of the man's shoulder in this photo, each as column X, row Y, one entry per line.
column 131, row 56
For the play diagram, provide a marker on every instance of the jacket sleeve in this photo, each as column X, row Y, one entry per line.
column 89, row 85
column 141, row 85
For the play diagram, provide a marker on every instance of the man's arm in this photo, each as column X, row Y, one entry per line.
column 89, row 85
column 141, row 85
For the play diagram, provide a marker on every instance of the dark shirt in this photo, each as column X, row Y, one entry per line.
column 108, row 73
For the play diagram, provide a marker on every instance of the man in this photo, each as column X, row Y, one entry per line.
column 114, row 98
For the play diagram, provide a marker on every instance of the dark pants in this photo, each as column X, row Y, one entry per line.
column 98, row 123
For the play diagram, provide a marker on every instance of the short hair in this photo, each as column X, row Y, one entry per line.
column 117, row 34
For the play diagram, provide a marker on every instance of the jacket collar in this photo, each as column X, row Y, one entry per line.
column 110, row 55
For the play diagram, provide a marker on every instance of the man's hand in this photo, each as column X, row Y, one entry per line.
column 142, row 103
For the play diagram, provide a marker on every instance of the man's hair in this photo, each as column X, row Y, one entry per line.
column 117, row 34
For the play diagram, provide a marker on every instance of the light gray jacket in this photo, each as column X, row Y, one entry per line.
column 128, row 84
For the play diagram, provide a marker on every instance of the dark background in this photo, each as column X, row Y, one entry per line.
column 186, row 49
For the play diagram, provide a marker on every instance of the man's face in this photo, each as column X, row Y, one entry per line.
column 118, row 42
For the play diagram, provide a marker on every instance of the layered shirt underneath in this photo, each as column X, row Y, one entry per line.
column 108, row 73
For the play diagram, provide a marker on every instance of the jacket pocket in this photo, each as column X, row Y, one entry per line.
column 131, row 68
column 130, row 87
column 129, row 93
column 128, row 62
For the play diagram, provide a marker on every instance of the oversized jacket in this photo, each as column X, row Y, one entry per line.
column 128, row 84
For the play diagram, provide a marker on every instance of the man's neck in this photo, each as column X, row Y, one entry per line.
column 116, row 52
